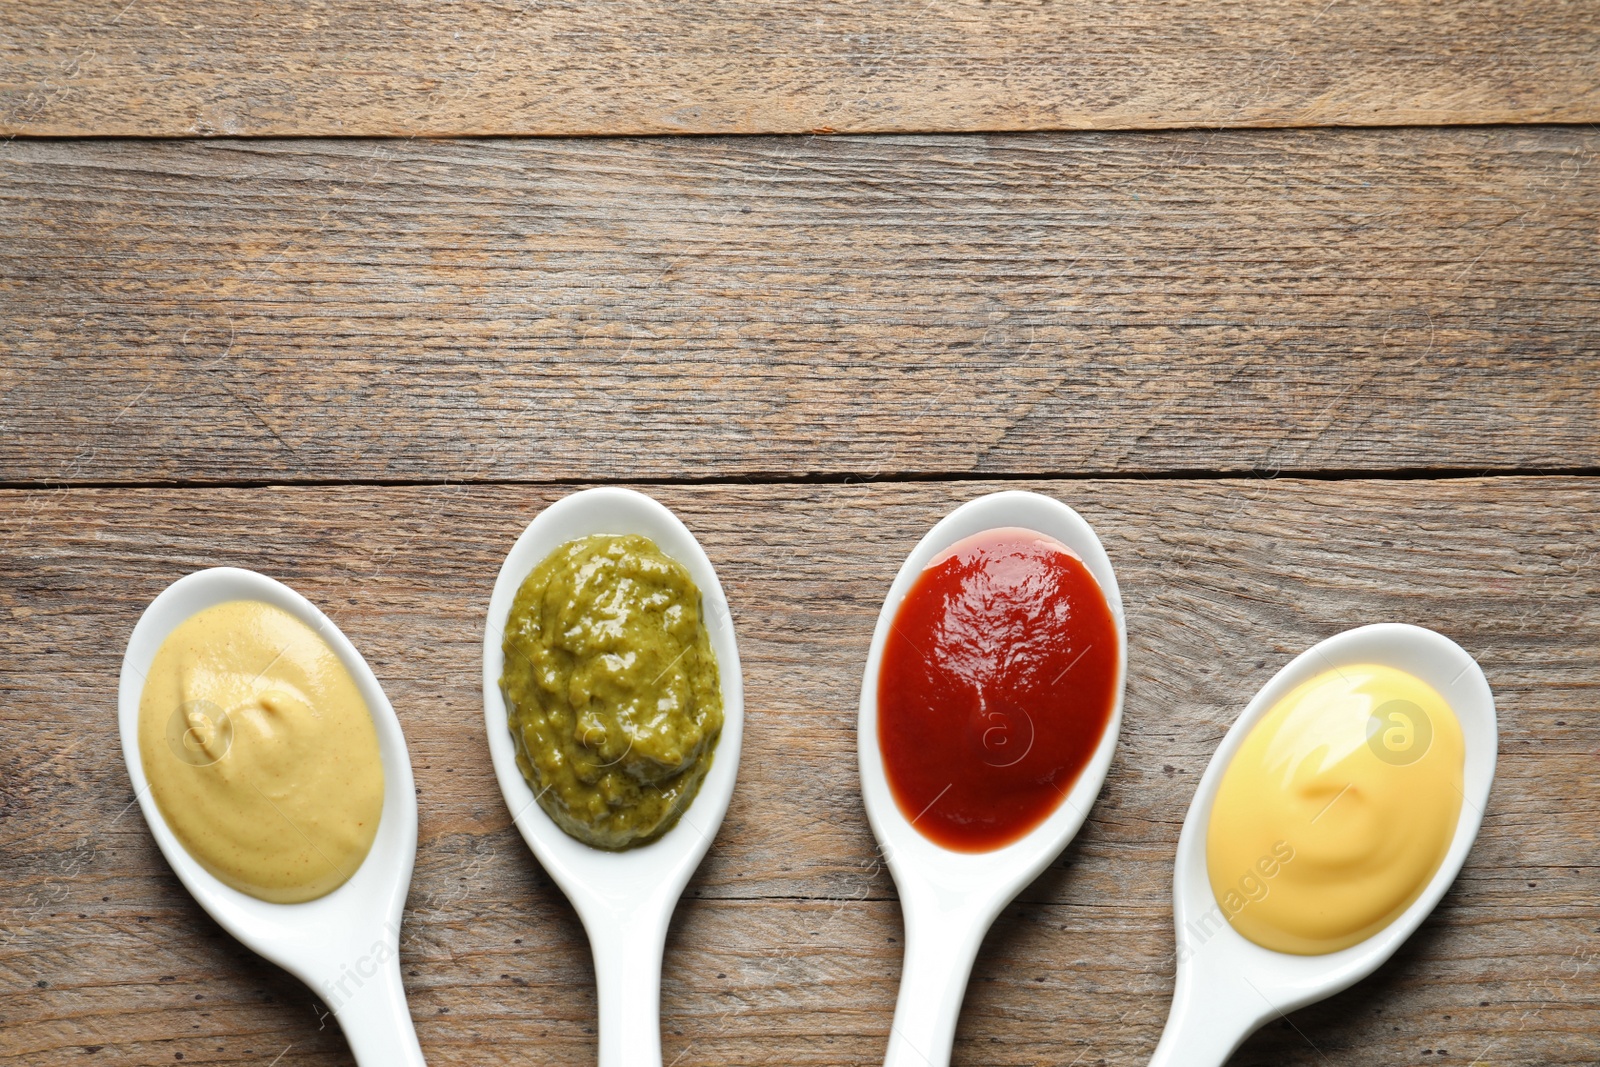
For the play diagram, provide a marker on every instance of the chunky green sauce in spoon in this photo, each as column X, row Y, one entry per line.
column 611, row 687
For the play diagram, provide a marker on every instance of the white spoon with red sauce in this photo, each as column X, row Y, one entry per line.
column 951, row 892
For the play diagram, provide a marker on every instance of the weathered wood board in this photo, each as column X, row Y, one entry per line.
column 786, row 950
column 405, row 67
column 497, row 310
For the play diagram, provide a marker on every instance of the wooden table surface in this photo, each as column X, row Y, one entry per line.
column 1297, row 303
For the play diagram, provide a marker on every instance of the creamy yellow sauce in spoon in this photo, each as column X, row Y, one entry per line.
column 1337, row 810
column 260, row 752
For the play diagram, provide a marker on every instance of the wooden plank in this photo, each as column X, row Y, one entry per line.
column 409, row 67
column 786, row 950
column 705, row 308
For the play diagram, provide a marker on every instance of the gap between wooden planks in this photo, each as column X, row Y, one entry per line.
column 786, row 949
column 412, row 67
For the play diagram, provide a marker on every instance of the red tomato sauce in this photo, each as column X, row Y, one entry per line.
column 997, row 682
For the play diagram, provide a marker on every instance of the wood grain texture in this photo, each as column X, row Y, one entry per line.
column 705, row 308
column 786, row 949
column 404, row 67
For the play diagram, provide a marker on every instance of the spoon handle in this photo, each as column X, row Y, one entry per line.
column 933, row 981
column 375, row 1018
column 627, row 973
column 1211, row 1016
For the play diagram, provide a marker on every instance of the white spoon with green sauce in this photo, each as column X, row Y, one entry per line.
column 344, row 945
column 950, row 899
column 1227, row 985
column 625, row 899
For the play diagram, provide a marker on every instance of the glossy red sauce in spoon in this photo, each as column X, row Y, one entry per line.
column 998, row 679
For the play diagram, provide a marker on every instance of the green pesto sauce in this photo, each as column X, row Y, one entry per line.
column 611, row 688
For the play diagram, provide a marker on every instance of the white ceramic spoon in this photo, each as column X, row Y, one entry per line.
column 950, row 899
column 345, row 945
column 1227, row 986
column 625, row 899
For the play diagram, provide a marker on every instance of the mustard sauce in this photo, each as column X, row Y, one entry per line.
column 1337, row 810
column 260, row 752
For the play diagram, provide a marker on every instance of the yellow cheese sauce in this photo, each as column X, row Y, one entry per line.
column 1336, row 811
column 260, row 752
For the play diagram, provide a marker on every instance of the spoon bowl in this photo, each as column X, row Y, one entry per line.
column 344, row 945
column 1228, row 986
column 950, row 899
column 625, row 899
